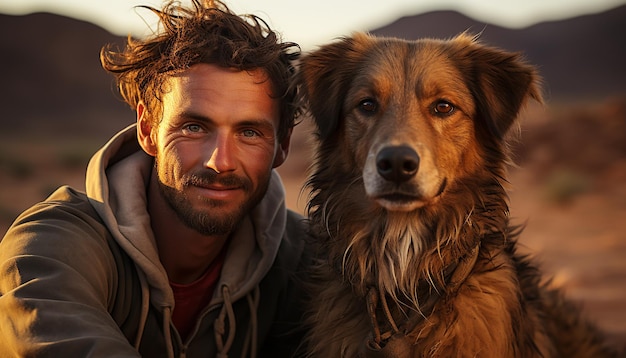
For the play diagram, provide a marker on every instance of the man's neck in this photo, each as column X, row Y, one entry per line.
column 184, row 252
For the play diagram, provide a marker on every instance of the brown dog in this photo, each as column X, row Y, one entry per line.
column 407, row 201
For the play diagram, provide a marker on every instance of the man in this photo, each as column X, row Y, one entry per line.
column 181, row 246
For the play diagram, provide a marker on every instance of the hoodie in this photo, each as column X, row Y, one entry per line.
column 80, row 274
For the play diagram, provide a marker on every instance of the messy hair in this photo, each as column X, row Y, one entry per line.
column 207, row 32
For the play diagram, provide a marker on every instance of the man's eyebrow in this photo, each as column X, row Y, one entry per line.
column 257, row 123
column 194, row 115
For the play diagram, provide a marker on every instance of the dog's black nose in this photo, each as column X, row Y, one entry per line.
column 397, row 163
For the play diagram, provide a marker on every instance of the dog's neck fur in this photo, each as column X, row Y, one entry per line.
column 401, row 253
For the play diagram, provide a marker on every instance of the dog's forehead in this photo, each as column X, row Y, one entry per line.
column 429, row 67
column 407, row 53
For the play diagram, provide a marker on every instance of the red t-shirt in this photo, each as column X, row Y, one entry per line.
column 194, row 297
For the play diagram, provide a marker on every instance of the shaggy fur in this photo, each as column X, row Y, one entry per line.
column 407, row 203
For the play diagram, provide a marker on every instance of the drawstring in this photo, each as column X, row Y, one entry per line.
column 227, row 309
column 251, row 338
column 167, row 333
column 250, row 343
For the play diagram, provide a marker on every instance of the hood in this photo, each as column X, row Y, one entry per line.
column 116, row 182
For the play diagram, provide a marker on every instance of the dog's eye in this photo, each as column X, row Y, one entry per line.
column 368, row 106
column 443, row 108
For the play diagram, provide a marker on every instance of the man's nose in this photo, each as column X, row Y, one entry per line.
column 222, row 154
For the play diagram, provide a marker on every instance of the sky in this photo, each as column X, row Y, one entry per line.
column 314, row 22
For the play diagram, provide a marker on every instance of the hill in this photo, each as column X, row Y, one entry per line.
column 53, row 83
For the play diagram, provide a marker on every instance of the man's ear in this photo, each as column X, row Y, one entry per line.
column 283, row 150
column 146, row 131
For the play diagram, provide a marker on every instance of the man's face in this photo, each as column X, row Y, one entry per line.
column 215, row 145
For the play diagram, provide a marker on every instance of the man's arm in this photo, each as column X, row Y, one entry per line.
column 57, row 277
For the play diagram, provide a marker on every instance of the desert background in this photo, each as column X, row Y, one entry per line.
column 57, row 107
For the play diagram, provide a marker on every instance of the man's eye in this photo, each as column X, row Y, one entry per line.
column 192, row 128
column 249, row 133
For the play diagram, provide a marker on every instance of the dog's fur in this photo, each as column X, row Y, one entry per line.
column 417, row 254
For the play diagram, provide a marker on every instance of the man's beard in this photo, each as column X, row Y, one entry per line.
column 214, row 220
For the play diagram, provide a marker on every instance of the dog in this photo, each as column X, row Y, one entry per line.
column 416, row 252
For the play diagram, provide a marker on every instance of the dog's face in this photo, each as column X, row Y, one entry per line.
column 415, row 118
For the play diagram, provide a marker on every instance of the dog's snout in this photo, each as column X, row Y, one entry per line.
column 398, row 163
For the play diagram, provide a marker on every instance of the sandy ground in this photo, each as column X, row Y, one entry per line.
column 582, row 245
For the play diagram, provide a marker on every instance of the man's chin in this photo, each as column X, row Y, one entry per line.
column 207, row 217
column 207, row 224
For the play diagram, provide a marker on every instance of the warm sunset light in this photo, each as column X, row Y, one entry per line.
column 420, row 134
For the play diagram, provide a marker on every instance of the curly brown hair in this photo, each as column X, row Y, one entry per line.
column 207, row 32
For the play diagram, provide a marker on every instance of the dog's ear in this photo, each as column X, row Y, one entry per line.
column 501, row 81
column 324, row 78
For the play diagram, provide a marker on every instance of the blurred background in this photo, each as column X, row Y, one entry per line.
column 57, row 106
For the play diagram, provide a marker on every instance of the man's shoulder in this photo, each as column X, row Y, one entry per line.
column 64, row 199
column 297, row 231
column 293, row 248
column 65, row 210
column 295, row 221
